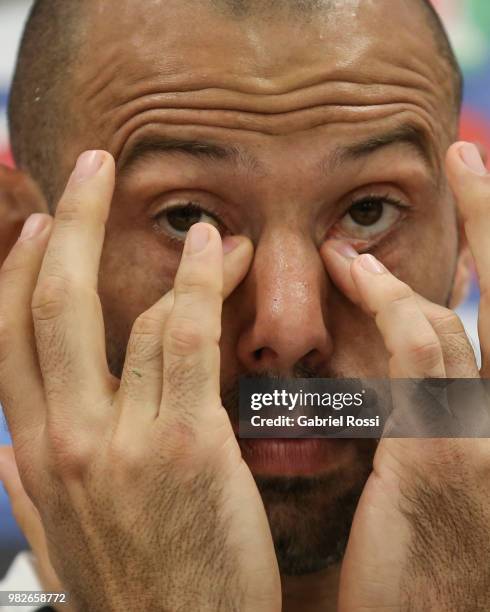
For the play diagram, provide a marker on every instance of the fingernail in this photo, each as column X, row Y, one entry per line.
column 88, row 164
column 472, row 159
column 230, row 243
column 197, row 237
column 33, row 226
column 345, row 249
column 371, row 264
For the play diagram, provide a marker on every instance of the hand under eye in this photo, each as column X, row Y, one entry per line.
column 178, row 219
column 154, row 450
column 411, row 508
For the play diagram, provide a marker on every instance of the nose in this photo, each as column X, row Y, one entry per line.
column 287, row 286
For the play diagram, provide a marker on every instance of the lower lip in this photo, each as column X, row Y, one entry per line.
column 293, row 457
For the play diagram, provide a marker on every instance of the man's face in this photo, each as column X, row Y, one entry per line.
column 289, row 130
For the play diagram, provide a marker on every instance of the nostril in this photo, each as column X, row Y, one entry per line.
column 257, row 355
column 311, row 355
column 265, row 355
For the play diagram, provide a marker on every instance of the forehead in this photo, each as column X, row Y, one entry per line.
column 274, row 72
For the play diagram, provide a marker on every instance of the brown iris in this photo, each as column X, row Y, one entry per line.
column 184, row 217
column 367, row 212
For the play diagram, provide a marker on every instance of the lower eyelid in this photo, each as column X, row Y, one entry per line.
column 362, row 245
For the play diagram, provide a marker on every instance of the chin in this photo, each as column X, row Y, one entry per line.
column 310, row 489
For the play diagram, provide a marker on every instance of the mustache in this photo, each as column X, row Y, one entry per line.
column 230, row 393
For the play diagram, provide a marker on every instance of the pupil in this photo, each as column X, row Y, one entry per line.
column 367, row 213
column 183, row 219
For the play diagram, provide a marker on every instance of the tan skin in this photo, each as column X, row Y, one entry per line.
column 287, row 99
column 287, row 216
column 19, row 198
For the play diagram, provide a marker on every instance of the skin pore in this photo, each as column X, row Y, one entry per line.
column 275, row 129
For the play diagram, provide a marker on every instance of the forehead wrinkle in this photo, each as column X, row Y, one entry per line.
column 267, row 112
column 273, row 87
column 268, row 122
column 93, row 87
column 154, row 76
column 215, row 122
column 130, row 93
column 258, row 100
column 144, row 81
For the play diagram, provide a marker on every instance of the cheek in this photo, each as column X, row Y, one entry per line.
column 233, row 322
column 358, row 350
column 423, row 254
column 135, row 273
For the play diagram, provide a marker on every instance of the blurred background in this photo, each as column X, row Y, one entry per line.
column 468, row 23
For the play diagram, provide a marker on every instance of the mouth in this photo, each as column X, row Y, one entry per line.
column 296, row 457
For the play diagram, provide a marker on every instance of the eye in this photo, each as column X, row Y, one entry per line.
column 369, row 217
column 178, row 219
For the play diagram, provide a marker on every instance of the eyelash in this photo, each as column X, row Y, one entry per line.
column 193, row 207
column 378, row 199
column 189, row 207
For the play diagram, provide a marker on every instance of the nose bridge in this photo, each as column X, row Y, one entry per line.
column 286, row 273
column 290, row 286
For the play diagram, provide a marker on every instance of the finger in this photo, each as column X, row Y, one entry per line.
column 21, row 388
column 409, row 337
column 338, row 256
column 191, row 353
column 459, row 357
column 27, row 518
column 66, row 308
column 141, row 381
column 470, row 183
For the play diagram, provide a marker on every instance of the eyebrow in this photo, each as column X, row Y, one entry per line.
column 407, row 134
column 154, row 146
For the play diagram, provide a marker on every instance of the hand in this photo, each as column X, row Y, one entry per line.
column 139, row 483
column 420, row 535
column 29, row 521
column 19, row 198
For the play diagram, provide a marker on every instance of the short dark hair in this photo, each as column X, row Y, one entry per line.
column 445, row 48
column 39, row 97
column 39, row 94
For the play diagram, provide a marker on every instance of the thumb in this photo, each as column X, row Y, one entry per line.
column 470, row 181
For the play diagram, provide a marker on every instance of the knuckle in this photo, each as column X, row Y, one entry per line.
column 69, row 210
column 69, row 457
column 145, row 343
column 126, row 457
column 395, row 301
column 50, row 298
column 146, row 325
column 426, row 354
column 402, row 293
column 447, row 323
column 176, row 441
column 183, row 337
column 196, row 281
